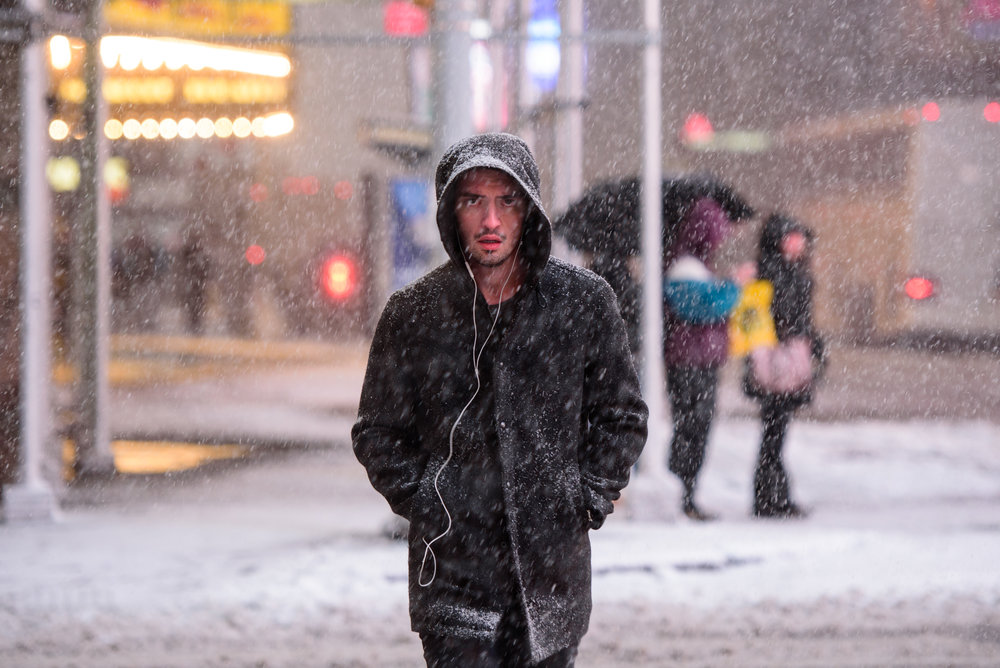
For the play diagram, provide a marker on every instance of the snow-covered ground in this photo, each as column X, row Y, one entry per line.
column 280, row 561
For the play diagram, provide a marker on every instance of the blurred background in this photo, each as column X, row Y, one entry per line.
column 190, row 188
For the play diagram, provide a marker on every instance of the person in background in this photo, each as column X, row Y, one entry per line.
column 500, row 415
column 696, row 339
column 783, row 260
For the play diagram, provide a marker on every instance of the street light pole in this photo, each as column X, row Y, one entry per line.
column 569, row 129
column 31, row 497
column 452, row 73
column 92, row 299
column 653, row 376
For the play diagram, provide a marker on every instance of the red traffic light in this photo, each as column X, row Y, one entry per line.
column 338, row 277
column 918, row 288
column 697, row 130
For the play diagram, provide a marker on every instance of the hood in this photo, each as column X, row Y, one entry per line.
column 702, row 230
column 508, row 153
column 770, row 262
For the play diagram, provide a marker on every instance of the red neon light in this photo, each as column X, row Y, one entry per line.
column 919, row 288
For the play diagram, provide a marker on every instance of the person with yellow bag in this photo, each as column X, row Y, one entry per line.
column 772, row 327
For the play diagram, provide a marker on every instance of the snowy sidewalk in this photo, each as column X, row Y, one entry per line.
column 279, row 561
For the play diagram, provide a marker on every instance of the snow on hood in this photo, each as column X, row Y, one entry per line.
column 509, row 154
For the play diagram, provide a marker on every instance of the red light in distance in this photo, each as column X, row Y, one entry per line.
column 343, row 190
column 338, row 277
column 255, row 254
column 404, row 19
column 931, row 112
column 304, row 185
column 697, row 129
column 919, row 288
column 992, row 112
column 258, row 192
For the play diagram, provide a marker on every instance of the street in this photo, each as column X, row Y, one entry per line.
column 280, row 557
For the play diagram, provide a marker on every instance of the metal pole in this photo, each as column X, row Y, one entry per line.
column 31, row 498
column 527, row 98
column 452, row 73
column 92, row 304
column 569, row 161
column 653, row 376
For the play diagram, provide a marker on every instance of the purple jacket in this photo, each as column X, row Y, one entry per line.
column 701, row 233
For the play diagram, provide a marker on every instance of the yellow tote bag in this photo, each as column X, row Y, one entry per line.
column 751, row 325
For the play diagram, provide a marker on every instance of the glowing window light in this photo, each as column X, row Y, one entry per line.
column 63, row 174
column 186, row 128
column 278, row 124
column 168, row 128
column 132, row 129
column 242, row 127
column 58, row 129
column 132, row 50
column 72, row 90
column 205, row 128
column 116, row 174
column 150, row 128
column 113, row 129
column 122, row 90
column 223, row 127
column 60, row 54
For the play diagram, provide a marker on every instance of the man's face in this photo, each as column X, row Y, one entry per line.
column 491, row 209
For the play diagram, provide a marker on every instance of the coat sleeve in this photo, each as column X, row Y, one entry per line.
column 384, row 436
column 615, row 413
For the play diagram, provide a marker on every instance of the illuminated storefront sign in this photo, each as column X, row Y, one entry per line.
column 200, row 18
column 171, row 86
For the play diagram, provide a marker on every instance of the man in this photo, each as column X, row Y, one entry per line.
column 500, row 415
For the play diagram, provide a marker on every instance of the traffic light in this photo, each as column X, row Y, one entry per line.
column 339, row 277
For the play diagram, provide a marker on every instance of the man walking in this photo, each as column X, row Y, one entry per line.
column 500, row 415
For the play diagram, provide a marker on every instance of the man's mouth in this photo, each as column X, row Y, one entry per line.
column 490, row 241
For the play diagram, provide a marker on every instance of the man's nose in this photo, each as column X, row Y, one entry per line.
column 492, row 219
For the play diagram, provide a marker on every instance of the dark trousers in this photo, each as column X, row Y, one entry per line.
column 509, row 649
column 692, row 407
column 770, row 480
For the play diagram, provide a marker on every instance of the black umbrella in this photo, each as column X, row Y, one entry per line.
column 607, row 222
column 607, row 219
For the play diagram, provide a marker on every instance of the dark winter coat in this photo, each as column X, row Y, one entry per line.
column 791, row 305
column 535, row 460
column 688, row 344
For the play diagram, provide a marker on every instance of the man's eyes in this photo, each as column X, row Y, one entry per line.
column 506, row 202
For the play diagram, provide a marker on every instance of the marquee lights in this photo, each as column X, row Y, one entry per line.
column 130, row 52
column 153, row 53
column 273, row 125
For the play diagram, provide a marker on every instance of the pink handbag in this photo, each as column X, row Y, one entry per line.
column 783, row 369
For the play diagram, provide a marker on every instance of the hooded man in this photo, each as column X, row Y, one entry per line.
column 500, row 415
